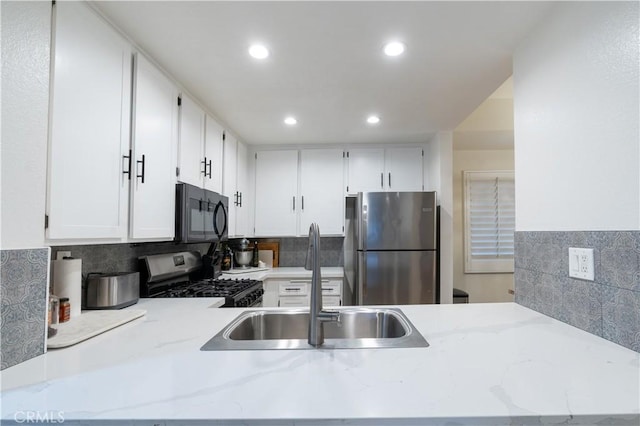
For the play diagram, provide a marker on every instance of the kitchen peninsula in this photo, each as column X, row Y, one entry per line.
column 487, row 364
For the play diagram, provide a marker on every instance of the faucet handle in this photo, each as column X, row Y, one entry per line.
column 330, row 316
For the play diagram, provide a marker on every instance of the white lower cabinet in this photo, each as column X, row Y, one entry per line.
column 297, row 292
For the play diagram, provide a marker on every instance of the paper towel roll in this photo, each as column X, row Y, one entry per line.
column 67, row 282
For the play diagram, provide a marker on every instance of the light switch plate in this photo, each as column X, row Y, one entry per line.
column 581, row 263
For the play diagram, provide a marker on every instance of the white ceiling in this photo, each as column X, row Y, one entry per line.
column 326, row 65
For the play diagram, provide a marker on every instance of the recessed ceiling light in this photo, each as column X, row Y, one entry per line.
column 258, row 51
column 394, row 48
column 373, row 119
column 290, row 121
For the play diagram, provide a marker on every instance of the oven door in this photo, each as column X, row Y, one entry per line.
column 191, row 209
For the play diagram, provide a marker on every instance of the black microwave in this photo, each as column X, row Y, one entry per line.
column 201, row 215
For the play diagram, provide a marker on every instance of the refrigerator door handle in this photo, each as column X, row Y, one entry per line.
column 361, row 223
column 362, row 278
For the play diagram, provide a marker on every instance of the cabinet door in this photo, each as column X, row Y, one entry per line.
column 191, row 156
column 366, row 168
column 270, row 298
column 213, row 155
column 321, row 190
column 89, row 132
column 154, row 143
column 229, row 180
column 276, row 193
column 242, row 186
column 403, row 169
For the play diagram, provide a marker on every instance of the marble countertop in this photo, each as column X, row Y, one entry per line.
column 487, row 364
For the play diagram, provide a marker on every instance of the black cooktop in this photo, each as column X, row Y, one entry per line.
column 237, row 293
column 209, row 288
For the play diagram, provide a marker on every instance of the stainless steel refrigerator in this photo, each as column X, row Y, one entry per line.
column 393, row 237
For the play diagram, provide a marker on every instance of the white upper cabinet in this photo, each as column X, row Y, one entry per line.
column 276, row 193
column 242, row 182
column 295, row 189
column 366, row 170
column 214, row 134
column 321, row 190
column 235, row 184
column 154, row 149
column 230, row 179
column 191, row 155
column 89, row 134
column 403, row 169
column 389, row 169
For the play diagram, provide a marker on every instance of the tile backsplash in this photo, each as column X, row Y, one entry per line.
column 293, row 251
column 110, row 258
column 608, row 307
column 23, row 291
column 124, row 257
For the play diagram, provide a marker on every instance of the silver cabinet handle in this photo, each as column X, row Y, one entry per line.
column 381, row 180
column 294, row 203
column 303, row 203
column 389, row 179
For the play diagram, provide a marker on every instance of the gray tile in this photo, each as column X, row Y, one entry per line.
column 619, row 261
column 621, row 317
column 23, row 327
column 541, row 251
column 582, row 305
column 23, row 275
column 548, row 295
column 524, row 282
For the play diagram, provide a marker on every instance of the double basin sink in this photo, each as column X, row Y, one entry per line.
column 358, row 328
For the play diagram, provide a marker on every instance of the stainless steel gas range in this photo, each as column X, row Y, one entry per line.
column 181, row 275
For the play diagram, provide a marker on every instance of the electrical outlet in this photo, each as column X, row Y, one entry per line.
column 581, row 263
column 62, row 254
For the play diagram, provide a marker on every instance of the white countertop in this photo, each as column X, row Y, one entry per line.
column 486, row 364
column 287, row 272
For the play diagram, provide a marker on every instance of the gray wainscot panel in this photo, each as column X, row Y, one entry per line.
column 23, row 290
column 608, row 307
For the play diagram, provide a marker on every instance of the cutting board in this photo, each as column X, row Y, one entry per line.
column 274, row 247
column 244, row 270
column 90, row 324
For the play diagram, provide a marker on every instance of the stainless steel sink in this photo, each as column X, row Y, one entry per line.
column 288, row 329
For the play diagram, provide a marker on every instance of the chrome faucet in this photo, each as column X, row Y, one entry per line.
column 317, row 316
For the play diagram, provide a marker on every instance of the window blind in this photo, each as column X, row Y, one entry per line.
column 489, row 221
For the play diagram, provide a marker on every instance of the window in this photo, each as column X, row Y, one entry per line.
column 489, row 221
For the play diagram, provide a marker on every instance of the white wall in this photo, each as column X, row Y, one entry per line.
column 481, row 287
column 26, row 31
column 576, row 97
column 438, row 177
